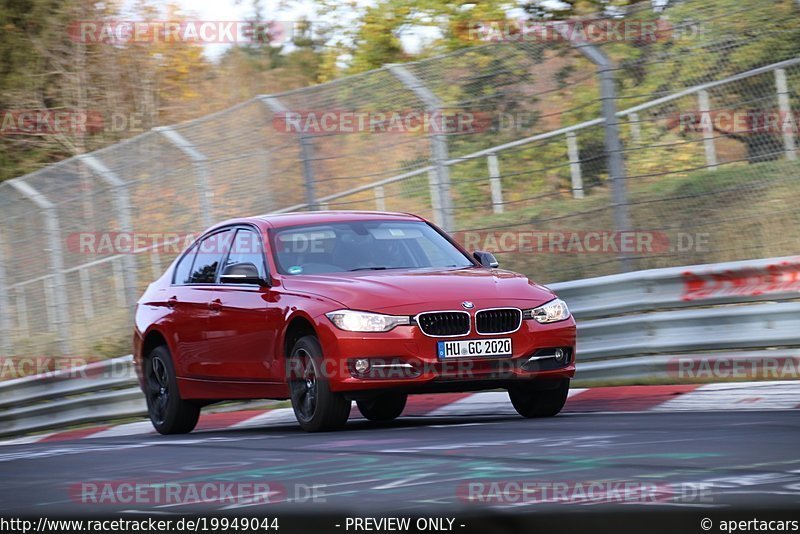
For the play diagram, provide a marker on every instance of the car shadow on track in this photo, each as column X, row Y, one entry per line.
column 360, row 424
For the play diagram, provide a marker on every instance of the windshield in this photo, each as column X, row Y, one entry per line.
column 363, row 246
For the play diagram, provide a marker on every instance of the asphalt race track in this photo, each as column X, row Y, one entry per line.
column 415, row 465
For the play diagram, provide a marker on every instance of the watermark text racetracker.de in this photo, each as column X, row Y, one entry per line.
column 595, row 30
column 40, row 122
column 410, row 121
column 591, row 30
column 157, row 493
column 583, row 242
column 735, row 367
column 522, row 492
column 112, row 243
column 145, row 32
column 495, row 241
column 736, row 121
column 71, row 122
column 75, row 367
column 442, row 121
column 88, row 367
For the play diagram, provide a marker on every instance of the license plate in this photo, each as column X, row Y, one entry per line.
column 474, row 348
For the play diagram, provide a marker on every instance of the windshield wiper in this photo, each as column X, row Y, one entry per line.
column 383, row 268
column 379, row 268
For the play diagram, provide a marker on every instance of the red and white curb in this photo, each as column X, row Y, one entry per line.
column 782, row 395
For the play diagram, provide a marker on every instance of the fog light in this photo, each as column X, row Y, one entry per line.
column 362, row 365
column 560, row 354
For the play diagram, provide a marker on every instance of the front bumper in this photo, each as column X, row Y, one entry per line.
column 412, row 365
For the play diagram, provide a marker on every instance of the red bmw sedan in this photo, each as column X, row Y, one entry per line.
column 326, row 308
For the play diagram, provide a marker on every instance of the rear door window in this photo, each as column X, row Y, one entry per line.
column 183, row 270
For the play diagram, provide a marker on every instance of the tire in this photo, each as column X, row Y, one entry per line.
column 383, row 407
column 531, row 402
column 168, row 412
column 316, row 407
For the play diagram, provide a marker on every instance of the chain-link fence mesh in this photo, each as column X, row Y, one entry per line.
column 707, row 115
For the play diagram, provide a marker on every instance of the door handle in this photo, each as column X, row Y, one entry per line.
column 215, row 305
column 172, row 301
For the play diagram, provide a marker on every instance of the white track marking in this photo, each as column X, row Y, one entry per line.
column 736, row 396
column 130, row 429
column 488, row 402
column 484, row 403
column 280, row 416
column 27, row 439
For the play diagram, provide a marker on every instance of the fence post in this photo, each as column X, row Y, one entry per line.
column 495, row 184
column 636, row 128
column 614, row 155
column 708, row 133
column 122, row 203
column 119, row 280
column 50, row 300
column 438, row 140
column 306, row 152
column 786, row 116
column 86, row 293
column 22, row 310
column 380, row 198
column 436, row 198
column 200, row 164
column 5, row 304
column 270, row 204
column 52, row 228
column 574, row 165
column 155, row 263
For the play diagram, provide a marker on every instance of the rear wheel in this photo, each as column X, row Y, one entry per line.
column 530, row 402
column 168, row 412
column 383, row 407
column 316, row 407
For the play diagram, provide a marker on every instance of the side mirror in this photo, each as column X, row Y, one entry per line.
column 242, row 273
column 486, row 259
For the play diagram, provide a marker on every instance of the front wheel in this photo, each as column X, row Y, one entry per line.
column 538, row 402
column 316, row 407
column 168, row 412
column 382, row 408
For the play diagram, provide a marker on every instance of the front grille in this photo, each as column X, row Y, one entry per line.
column 446, row 323
column 498, row 321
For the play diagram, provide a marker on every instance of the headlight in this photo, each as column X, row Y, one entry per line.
column 553, row 311
column 359, row 321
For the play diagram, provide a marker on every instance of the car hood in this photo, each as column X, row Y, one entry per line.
column 412, row 291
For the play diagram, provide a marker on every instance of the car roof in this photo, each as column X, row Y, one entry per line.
column 280, row 220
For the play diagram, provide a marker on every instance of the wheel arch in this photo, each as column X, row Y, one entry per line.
column 143, row 346
column 152, row 339
column 299, row 325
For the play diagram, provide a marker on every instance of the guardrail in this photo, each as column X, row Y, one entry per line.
column 98, row 391
column 631, row 327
